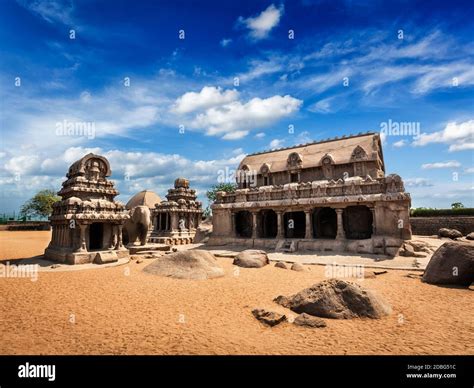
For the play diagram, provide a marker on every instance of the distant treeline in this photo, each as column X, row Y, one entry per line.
column 429, row 212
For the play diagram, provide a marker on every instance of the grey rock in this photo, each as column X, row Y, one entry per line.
column 452, row 263
column 339, row 299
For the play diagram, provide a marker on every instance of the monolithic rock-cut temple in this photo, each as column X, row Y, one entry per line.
column 324, row 196
column 175, row 220
column 87, row 222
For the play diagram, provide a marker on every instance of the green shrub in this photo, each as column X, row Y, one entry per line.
column 429, row 212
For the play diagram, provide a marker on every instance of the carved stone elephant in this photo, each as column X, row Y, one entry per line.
column 137, row 226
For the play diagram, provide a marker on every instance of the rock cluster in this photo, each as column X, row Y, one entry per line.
column 449, row 233
column 415, row 249
column 337, row 299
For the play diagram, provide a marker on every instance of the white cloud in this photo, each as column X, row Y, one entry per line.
column 209, row 96
column 261, row 25
column 236, row 135
column 259, row 68
column 276, row 143
column 448, row 164
column 145, row 170
column 321, row 106
column 400, row 143
column 50, row 10
column 417, row 182
column 260, row 135
column 458, row 136
column 232, row 120
column 225, row 42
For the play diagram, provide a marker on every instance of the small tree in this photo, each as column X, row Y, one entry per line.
column 457, row 205
column 41, row 205
column 212, row 194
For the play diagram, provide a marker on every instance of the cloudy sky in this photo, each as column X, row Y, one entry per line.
column 175, row 88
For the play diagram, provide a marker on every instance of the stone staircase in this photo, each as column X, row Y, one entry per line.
column 286, row 246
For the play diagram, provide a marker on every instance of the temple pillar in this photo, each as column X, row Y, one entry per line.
column 374, row 224
column 119, row 244
column 254, row 224
column 233, row 216
column 61, row 235
column 174, row 221
column 82, row 238
column 166, row 221
column 280, row 231
column 340, row 225
column 309, row 225
column 113, row 231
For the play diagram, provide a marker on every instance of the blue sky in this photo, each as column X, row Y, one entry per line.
column 188, row 88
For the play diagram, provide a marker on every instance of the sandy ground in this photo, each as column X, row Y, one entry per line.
column 122, row 310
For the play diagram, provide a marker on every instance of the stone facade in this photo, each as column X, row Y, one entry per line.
column 87, row 222
column 175, row 220
column 329, row 195
column 429, row 226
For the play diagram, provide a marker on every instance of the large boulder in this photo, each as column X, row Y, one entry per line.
column 203, row 231
column 251, row 258
column 335, row 298
column 452, row 263
column 191, row 264
column 450, row 233
column 470, row 236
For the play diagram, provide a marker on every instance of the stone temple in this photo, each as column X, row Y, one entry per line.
column 175, row 220
column 87, row 223
column 331, row 195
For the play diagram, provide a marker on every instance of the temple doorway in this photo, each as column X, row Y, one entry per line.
column 243, row 224
column 295, row 224
column 357, row 222
column 324, row 223
column 268, row 224
column 96, row 236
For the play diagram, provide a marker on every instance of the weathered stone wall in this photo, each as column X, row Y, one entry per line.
column 427, row 226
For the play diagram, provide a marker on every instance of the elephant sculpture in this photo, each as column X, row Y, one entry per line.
column 137, row 226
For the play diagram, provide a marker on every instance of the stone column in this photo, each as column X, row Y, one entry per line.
column 280, row 231
column 374, row 225
column 233, row 217
column 82, row 239
column 166, row 221
column 254, row 224
column 174, row 221
column 62, row 235
column 340, row 225
column 112, row 236
column 68, row 235
column 119, row 237
column 309, row 225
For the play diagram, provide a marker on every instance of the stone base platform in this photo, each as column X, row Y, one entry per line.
column 99, row 257
column 147, row 248
column 382, row 245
